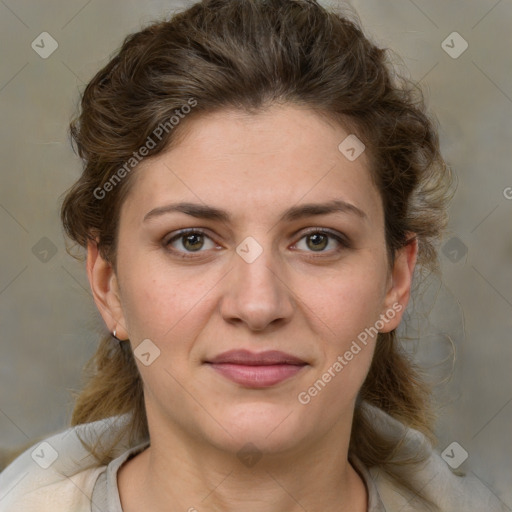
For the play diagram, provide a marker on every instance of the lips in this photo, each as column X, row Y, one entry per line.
column 256, row 370
column 244, row 357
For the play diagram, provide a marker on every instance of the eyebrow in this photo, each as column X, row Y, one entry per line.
column 202, row 211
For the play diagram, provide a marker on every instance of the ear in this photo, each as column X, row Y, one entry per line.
column 105, row 290
column 399, row 284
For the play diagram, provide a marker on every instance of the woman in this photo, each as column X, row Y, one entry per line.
column 258, row 190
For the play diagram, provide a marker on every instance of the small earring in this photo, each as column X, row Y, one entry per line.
column 115, row 337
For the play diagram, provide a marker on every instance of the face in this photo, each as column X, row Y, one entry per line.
column 246, row 267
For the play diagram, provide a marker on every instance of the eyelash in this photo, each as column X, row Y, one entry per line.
column 342, row 240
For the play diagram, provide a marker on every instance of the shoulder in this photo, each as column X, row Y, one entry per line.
column 57, row 473
column 449, row 492
column 432, row 477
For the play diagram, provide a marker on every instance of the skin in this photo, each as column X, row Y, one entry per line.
column 306, row 300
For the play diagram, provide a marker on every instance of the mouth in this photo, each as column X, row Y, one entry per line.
column 256, row 370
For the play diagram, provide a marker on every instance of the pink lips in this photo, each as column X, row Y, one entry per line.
column 256, row 370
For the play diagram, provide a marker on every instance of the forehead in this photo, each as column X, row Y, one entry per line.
column 256, row 163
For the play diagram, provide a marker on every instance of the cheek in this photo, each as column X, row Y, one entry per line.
column 168, row 307
column 346, row 302
column 345, row 310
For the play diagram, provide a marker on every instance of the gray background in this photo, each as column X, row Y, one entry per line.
column 49, row 324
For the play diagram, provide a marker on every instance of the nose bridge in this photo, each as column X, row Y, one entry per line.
column 256, row 293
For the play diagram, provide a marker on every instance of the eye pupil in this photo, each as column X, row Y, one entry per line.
column 190, row 238
column 318, row 239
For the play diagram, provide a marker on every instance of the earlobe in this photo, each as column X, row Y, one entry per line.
column 400, row 282
column 105, row 290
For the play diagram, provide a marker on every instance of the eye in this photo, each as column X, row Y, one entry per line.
column 318, row 239
column 191, row 240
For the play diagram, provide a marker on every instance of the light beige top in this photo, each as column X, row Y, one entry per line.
column 105, row 495
column 51, row 475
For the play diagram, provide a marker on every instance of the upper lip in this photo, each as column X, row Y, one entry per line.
column 245, row 357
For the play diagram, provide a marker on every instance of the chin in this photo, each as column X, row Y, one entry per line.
column 270, row 427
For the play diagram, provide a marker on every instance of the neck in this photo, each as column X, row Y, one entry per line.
column 181, row 474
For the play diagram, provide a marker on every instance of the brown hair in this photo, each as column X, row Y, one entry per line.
column 249, row 55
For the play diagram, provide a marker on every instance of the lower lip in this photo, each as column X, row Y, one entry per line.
column 257, row 376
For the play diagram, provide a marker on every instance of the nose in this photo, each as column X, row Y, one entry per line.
column 257, row 293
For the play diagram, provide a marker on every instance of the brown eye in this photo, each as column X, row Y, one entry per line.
column 319, row 239
column 193, row 241
column 189, row 241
